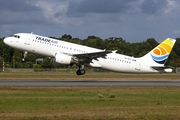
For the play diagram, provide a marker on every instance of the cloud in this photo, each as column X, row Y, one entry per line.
column 130, row 19
column 16, row 6
column 84, row 8
column 170, row 6
column 19, row 12
column 176, row 32
column 79, row 9
column 153, row 6
column 53, row 11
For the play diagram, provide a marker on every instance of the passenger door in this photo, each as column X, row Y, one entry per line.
column 28, row 39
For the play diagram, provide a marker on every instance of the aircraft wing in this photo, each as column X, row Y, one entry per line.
column 90, row 56
column 86, row 58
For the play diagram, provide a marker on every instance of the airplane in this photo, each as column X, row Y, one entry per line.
column 66, row 53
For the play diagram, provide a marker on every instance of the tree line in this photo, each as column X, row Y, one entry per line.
column 12, row 57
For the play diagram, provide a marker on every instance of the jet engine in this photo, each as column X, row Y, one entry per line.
column 61, row 59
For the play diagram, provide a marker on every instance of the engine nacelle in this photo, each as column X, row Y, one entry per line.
column 61, row 59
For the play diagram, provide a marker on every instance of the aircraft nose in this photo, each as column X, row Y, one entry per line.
column 7, row 41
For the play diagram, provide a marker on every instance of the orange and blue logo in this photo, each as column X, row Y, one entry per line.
column 162, row 51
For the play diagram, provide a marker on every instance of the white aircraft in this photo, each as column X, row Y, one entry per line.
column 65, row 53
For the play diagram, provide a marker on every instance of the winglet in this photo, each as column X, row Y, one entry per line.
column 114, row 51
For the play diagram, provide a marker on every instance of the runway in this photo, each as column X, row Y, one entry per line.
column 90, row 83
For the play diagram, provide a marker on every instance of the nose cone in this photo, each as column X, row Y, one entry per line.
column 7, row 41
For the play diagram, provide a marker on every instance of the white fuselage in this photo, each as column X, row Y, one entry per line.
column 46, row 46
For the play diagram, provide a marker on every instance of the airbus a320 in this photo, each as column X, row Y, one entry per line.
column 65, row 53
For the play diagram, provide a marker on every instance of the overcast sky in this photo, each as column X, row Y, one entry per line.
column 133, row 20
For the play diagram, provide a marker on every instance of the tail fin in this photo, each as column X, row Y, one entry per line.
column 160, row 54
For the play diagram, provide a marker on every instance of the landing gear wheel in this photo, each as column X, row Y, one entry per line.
column 80, row 72
column 23, row 60
column 83, row 71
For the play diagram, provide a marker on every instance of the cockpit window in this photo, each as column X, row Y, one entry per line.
column 16, row 36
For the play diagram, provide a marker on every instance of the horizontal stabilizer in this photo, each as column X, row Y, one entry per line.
column 163, row 68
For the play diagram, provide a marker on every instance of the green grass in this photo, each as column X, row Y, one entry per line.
column 84, row 103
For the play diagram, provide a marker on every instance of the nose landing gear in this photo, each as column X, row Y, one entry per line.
column 25, row 53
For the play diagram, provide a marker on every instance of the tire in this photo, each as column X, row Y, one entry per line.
column 23, row 60
column 78, row 72
column 83, row 72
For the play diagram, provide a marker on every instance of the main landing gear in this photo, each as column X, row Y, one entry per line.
column 80, row 71
column 25, row 53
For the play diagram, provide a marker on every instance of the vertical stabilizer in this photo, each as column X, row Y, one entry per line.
column 160, row 54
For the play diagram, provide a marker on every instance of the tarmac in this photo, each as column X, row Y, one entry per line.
column 90, row 83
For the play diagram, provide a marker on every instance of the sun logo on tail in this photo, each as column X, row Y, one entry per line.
column 162, row 51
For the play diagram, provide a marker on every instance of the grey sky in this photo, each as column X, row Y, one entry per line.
column 133, row 20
